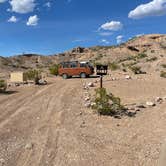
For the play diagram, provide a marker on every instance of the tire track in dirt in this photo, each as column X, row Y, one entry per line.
column 19, row 104
column 36, row 155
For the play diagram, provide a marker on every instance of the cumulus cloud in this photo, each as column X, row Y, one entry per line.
column 13, row 19
column 33, row 20
column 22, row 6
column 153, row 8
column 112, row 26
column 119, row 39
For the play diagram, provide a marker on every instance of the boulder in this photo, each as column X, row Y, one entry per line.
column 150, row 104
column 90, row 84
column 127, row 77
column 158, row 99
column 29, row 146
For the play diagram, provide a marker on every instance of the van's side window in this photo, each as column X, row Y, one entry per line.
column 65, row 65
column 73, row 65
column 83, row 65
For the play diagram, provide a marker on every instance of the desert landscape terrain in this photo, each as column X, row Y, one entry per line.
column 52, row 125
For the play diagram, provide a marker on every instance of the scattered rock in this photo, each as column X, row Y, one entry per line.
column 158, row 99
column 93, row 104
column 88, row 104
column 29, row 146
column 42, row 82
column 90, row 84
column 87, row 98
column 151, row 104
column 128, row 77
column 113, row 79
column 2, row 162
column 137, row 109
column 140, row 106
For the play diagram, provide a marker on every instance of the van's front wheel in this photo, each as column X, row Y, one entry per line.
column 83, row 75
column 64, row 76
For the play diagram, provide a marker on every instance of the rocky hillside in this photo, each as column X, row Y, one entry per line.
column 147, row 51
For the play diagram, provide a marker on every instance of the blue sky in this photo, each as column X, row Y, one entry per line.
column 53, row 26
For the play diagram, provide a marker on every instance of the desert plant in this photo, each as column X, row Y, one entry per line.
column 3, row 85
column 54, row 69
column 151, row 59
column 163, row 65
column 141, row 56
column 113, row 66
column 107, row 104
column 34, row 75
column 163, row 74
column 136, row 70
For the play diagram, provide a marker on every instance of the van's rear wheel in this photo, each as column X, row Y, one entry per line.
column 83, row 75
column 65, row 76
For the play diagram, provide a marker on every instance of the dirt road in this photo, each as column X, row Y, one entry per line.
column 49, row 125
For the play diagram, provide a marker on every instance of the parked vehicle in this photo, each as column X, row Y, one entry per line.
column 75, row 68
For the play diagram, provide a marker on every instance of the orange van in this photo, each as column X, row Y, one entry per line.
column 75, row 68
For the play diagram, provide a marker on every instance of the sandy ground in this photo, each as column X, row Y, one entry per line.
column 49, row 125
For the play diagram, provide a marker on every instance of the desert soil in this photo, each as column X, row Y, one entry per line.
column 49, row 125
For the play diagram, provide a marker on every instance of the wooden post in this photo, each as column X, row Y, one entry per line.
column 101, row 81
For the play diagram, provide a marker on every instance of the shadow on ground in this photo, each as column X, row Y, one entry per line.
column 8, row 92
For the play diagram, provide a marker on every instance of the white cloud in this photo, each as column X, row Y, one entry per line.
column 47, row 4
column 104, row 41
column 13, row 19
column 22, row 6
column 112, row 26
column 105, row 33
column 1, row 1
column 33, row 20
column 119, row 39
column 153, row 8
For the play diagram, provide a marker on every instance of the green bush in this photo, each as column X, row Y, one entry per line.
column 113, row 66
column 107, row 104
column 141, row 55
column 151, row 59
column 34, row 75
column 163, row 74
column 136, row 70
column 3, row 85
column 54, row 69
column 163, row 65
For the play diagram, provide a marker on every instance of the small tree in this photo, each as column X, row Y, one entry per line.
column 54, row 69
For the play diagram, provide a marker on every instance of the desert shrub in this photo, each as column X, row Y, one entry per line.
column 163, row 65
column 113, row 66
column 163, row 74
column 97, row 63
column 54, row 69
column 141, row 56
column 151, row 59
column 34, row 75
column 107, row 104
column 136, row 70
column 3, row 85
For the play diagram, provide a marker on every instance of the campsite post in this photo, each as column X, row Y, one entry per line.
column 101, row 81
column 101, row 70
